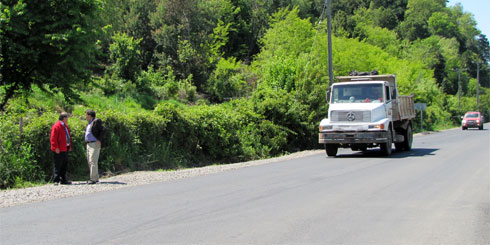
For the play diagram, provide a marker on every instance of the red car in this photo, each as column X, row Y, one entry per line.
column 472, row 119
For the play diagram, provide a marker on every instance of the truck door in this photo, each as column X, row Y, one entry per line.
column 387, row 101
column 394, row 104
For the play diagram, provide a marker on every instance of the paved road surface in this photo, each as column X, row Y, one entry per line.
column 439, row 193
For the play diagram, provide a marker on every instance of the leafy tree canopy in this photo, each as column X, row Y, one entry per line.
column 46, row 42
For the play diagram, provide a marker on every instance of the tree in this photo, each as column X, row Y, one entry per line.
column 126, row 57
column 342, row 11
column 484, row 48
column 385, row 18
column 226, row 81
column 466, row 28
column 112, row 18
column 418, row 12
column 441, row 24
column 46, row 43
column 138, row 26
column 395, row 7
column 484, row 55
column 180, row 29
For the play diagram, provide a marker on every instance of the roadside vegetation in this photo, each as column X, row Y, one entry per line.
column 185, row 83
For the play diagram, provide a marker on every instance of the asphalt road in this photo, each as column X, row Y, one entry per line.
column 439, row 193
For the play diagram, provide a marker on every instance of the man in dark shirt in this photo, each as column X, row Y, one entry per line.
column 93, row 138
column 60, row 145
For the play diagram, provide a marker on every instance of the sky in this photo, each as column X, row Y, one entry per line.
column 480, row 10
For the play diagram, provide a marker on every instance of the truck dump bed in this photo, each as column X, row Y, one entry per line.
column 407, row 106
column 389, row 78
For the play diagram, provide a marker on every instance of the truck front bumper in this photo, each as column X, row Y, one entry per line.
column 353, row 137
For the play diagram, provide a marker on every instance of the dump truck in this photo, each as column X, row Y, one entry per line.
column 365, row 112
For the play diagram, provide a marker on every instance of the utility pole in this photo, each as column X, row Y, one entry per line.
column 329, row 34
column 478, row 85
column 459, row 87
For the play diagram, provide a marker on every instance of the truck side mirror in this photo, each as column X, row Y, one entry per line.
column 461, row 117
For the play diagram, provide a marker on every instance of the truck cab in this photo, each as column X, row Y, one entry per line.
column 365, row 112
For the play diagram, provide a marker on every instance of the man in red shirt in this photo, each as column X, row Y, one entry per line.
column 60, row 145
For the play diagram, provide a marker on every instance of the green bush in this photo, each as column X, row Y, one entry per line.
column 163, row 84
column 228, row 132
column 227, row 81
column 285, row 110
column 17, row 162
column 126, row 57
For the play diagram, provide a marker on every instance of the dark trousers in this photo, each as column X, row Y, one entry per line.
column 60, row 164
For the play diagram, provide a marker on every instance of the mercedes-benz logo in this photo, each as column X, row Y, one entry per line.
column 351, row 116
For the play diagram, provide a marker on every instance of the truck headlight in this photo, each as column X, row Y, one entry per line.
column 376, row 126
column 323, row 128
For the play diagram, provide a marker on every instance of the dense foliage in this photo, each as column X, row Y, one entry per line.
column 45, row 43
column 182, row 83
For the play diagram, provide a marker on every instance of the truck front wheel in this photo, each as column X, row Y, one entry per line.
column 331, row 149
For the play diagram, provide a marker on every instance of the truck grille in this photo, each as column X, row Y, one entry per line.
column 350, row 116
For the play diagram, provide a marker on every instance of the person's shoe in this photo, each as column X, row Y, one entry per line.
column 56, row 183
column 91, row 182
column 65, row 182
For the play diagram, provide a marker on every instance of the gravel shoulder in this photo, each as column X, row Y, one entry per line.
column 14, row 197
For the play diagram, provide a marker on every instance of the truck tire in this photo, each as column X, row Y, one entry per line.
column 386, row 148
column 408, row 134
column 331, row 149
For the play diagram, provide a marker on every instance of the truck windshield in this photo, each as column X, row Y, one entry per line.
column 357, row 93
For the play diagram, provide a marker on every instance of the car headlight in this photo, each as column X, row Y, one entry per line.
column 464, row 121
column 477, row 121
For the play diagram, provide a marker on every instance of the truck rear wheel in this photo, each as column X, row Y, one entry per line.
column 387, row 147
column 406, row 145
column 331, row 149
